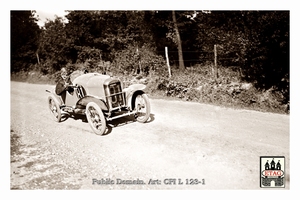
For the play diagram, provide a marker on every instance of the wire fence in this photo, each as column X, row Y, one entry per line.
column 199, row 57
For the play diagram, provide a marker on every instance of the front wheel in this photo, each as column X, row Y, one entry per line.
column 95, row 118
column 142, row 108
column 54, row 109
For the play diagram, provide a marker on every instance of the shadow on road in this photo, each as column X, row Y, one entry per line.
column 110, row 124
column 123, row 121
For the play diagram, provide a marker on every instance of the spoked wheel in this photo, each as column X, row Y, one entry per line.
column 96, row 118
column 142, row 107
column 54, row 109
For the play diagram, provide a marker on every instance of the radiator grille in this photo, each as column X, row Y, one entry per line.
column 116, row 95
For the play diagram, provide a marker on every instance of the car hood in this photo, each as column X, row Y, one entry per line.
column 91, row 80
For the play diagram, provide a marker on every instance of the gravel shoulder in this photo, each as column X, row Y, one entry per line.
column 183, row 140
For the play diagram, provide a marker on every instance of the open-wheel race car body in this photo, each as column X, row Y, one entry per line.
column 100, row 98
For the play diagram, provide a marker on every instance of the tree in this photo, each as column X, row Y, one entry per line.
column 113, row 33
column 54, row 46
column 255, row 41
column 24, row 40
column 165, row 30
column 103, row 30
column 180, row 56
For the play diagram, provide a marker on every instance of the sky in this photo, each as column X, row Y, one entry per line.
column 50, row 14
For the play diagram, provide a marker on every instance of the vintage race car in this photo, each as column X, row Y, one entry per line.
column 101, row 98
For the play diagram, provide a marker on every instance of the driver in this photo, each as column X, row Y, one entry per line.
column 63, row 84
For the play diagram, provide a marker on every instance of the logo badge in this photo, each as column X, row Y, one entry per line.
column 272, row 172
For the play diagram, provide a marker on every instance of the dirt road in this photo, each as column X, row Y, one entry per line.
column 219, row 147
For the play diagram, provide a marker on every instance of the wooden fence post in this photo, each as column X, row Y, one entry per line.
column 139, row 60
column 216, row 64
column 167, row 58
column 38, row 58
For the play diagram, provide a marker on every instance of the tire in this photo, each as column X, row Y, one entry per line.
column 54, row 109
column 95, row 118
column 142, row 107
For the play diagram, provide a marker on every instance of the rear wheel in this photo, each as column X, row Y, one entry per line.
column 142, row 108
column 95, row 118
column 54, row 109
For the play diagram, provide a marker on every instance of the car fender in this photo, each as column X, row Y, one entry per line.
column 55, row 97
column 131, row 92
column 85, row 100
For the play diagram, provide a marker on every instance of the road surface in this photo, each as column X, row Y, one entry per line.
column 184, row 146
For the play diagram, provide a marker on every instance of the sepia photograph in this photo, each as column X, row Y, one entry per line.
column 150, row 99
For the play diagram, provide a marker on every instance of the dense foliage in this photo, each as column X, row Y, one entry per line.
column 253, row 43
column 24, row 40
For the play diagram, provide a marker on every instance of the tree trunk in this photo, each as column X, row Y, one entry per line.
column 37, row 57
column 180, row 56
